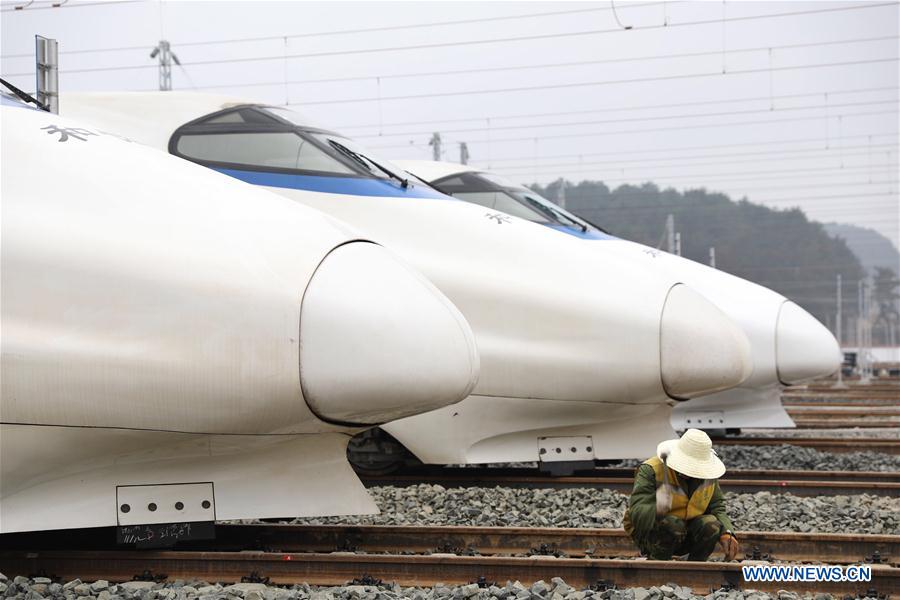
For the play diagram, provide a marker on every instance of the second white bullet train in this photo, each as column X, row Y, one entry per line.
column 179, row 346
column 789, row 346
column 582, row 353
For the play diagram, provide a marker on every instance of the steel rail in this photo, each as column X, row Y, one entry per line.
column 887, row 446
column 837, row 423
column 624, row 484
column 840, row 412
column 418, row 570
column 889, row 391
column 837, row 548
column 600, row 473
column 825, row 403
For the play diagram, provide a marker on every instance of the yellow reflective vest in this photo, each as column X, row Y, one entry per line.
column 681, row 506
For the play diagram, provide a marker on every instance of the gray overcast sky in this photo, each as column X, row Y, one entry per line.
column 824, row 138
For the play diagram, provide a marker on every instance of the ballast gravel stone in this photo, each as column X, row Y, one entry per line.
column 788, row 457
column 427, row 504
column 811, row 434
column 556, row 589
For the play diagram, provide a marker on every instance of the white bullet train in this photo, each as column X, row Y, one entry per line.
column 179, row 346
column 789, row 346
column 582, row 353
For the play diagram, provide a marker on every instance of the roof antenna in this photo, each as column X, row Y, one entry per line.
column 46, row 67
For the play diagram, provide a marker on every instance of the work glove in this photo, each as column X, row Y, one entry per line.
column 729, row 545
column 663, row 500
column 664, row 492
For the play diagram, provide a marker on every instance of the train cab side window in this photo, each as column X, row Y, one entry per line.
column 280, row 150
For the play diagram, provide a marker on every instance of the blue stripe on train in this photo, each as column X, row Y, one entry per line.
column 577, row 232
column 352, row 186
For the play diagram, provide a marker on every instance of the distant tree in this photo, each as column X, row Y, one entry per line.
column 885, row 299
column 780, row 249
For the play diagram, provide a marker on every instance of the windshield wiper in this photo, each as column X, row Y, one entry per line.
column 24, row 96
column 556, row 215
column 361, row 159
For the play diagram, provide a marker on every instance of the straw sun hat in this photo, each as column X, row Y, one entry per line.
column 692, row 455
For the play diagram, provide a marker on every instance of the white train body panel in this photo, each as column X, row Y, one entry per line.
column 788, row 345
column 155, row 314
column 569, row 340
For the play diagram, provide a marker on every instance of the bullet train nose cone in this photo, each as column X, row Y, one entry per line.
column 701, row 349
column 804, row 348
column 379, row 342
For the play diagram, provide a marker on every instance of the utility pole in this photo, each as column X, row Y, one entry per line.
column 670, row 233
column 712, row 256
column 166, row 57
column 678, row 243
column 859, row 314
column 866, row 373
column 463, row 153
column 561, row 193
column 435, row 144
column 46, row 55
column 837, row 331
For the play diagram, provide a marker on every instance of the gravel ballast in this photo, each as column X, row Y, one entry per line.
column 889, row 433
column 427, row 504
column 788, row 457
column 23, row 588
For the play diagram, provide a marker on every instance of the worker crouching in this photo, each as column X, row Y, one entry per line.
column 677, row 507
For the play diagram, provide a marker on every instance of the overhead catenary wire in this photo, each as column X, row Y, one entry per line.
column 659, row 129
column 598, row 83
column 638, row 119
column 824, row 93
column 729, row 177
column 495, row 40
column 765, row 202
column 639, row 165
column 358, row 30
column 822, row 144
column 733, row 181
column 770, row 155
column 810, row 186
column 30, row 6
column 508, row 68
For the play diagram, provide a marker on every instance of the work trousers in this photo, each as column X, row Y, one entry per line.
column 672, row 536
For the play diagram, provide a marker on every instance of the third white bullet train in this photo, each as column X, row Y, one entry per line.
column 582, row 352
column 789, row 346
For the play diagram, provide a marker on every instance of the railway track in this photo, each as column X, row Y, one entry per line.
column 574, row 543
column 842, row 412
column 888, row 394
column 819, row 403
column 837, row 423
column 338, row 568
column 885, row 445
column 800, row 483
column 336, row 554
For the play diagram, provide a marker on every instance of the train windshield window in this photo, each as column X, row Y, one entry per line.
column 550, row 211
column 281, row 150
column 500, row 181
column 374, row 165
column 504, row 203
column 288, row 115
